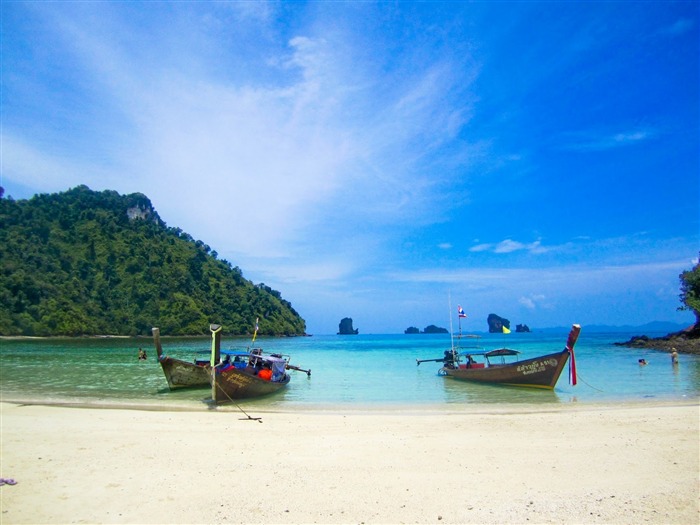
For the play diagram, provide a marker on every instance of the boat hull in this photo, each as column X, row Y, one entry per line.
column 181, row 374
column 233, row 384
column 538, row 372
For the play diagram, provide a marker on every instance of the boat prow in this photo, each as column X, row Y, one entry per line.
column 179, row 373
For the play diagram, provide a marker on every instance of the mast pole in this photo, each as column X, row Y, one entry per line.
column 452, row 341
column 215, row 356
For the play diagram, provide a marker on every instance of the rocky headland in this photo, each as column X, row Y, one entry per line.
column 685, row 342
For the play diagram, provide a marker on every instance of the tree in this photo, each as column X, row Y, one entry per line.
column 690, row 291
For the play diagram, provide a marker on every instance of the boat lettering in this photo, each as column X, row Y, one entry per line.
column 239, row 380
column 536, row 366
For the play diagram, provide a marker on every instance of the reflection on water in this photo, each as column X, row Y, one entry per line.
column 464, row 392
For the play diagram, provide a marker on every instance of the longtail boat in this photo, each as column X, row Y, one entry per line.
column 180, row 373
column 536, row 372
column 252, row 374
column 190, row 374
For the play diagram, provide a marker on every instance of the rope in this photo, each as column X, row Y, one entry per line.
column 249, row 418
column 584, row 381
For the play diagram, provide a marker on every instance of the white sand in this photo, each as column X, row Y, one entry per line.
column 571, row 464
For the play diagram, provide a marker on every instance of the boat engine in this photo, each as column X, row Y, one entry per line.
column 449, row 359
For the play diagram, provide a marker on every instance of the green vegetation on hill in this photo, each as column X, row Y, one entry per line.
column 690, row 291
column 88, row 263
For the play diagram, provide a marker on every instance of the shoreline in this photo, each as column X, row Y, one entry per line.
column 141, row 336
column 368, row 408
column 587, row 463
column 258, row 406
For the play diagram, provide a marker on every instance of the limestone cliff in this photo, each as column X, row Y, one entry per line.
column 345, row 327
column 496, row 324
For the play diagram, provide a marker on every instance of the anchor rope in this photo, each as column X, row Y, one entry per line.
column 584, row 381
column 258, row 419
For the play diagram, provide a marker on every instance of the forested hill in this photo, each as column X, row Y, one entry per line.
column 83, row 262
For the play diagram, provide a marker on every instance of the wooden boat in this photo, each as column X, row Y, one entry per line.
column 189, row 374
column 180, row 373
column 247, row 375
column 537, row 372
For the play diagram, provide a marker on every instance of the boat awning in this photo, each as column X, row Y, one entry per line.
column 501, row 351
column 492, row 353
column 270, row 359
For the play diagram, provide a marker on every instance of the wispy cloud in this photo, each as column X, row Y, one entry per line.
column 588, row 141
column 509, row 246
column 531, row 302
column 268, row 162
column 535, row 283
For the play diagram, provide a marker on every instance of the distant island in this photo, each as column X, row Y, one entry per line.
column 497, row 324
column 431, row 329
column 345, row 327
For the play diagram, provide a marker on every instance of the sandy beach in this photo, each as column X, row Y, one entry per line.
column 573, row 464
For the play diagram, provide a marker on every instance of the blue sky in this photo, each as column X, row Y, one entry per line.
column 380, row 161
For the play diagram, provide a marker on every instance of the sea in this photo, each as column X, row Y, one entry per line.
column 347, row 372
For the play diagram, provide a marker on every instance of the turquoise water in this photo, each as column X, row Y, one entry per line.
column 347, row 371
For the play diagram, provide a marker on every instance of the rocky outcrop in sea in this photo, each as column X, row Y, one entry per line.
column 685, row 342
column 496, row 323
column 345, row 327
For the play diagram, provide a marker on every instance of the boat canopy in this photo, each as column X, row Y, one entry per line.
column 492, row 353
column 270, row 359
column 277, row 363
column 501, row 351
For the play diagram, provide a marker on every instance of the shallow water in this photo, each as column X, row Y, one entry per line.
column 347, row 371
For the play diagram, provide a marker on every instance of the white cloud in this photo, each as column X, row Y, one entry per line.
column 531, row 302
column 509, row 246
column 483, row 247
